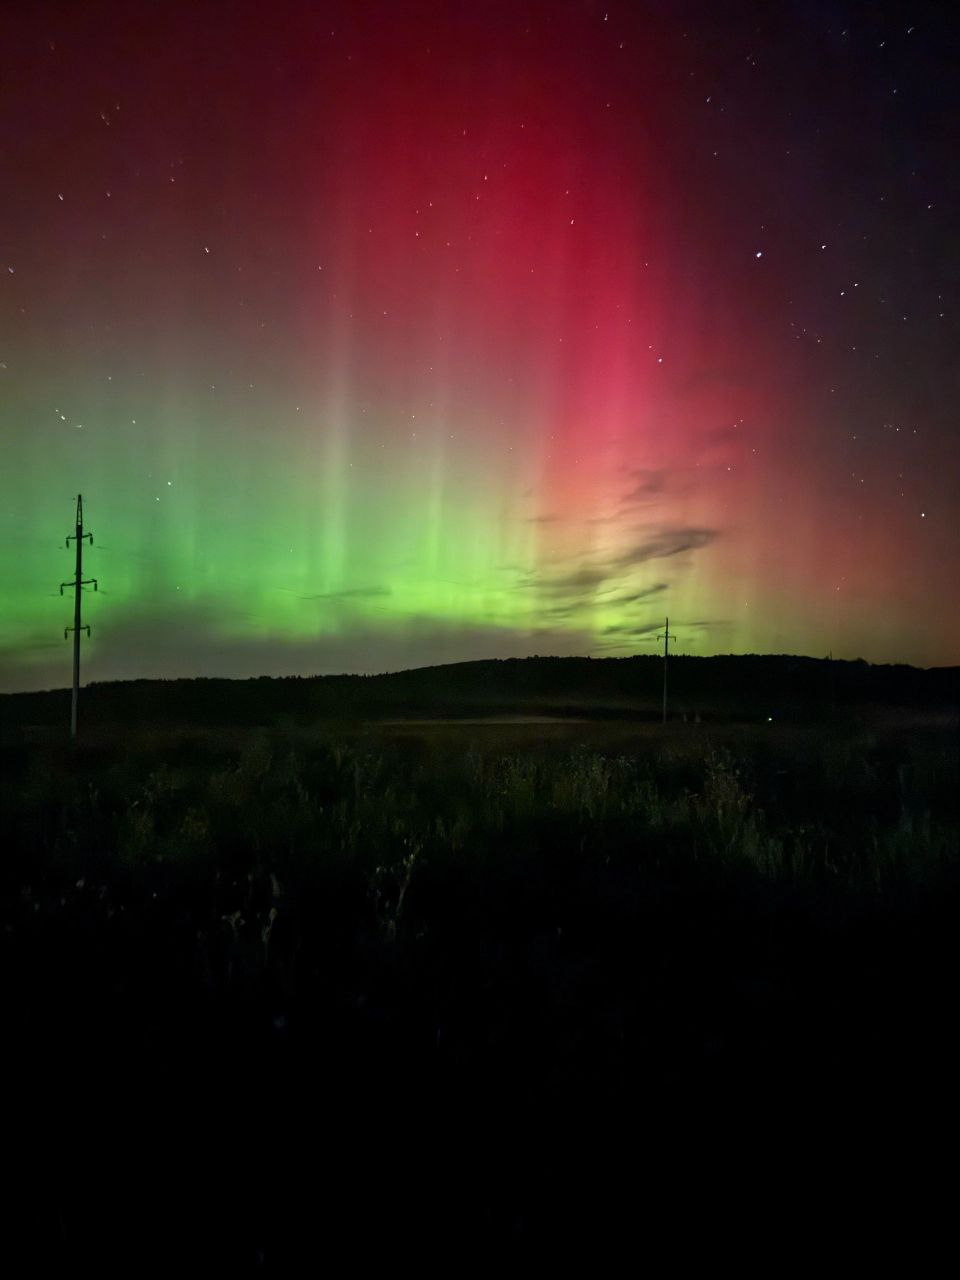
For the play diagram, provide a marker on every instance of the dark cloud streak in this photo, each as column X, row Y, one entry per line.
column 666, row 542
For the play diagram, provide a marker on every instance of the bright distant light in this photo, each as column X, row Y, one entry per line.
column 769, row 719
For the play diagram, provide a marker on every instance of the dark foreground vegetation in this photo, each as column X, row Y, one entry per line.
column 277, row 990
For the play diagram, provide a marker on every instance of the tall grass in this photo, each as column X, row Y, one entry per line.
column 380, row 811
column 385, row 923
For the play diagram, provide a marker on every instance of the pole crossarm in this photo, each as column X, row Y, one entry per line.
column 78, row 583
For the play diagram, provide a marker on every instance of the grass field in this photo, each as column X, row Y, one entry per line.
column 272, row 938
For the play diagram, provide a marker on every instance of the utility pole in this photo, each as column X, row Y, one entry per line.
column 666, row 638
column 78, row 583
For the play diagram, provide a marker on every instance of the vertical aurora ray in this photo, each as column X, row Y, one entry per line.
column 384, row 335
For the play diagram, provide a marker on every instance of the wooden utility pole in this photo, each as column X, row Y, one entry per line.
column 78, row 583
column 666, row 638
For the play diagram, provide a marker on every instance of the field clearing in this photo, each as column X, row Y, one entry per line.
column 640, row 729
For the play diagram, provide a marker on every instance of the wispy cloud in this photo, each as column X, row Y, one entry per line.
column 633, row 597
column 629, row 629
column 588, row 577
column 664, row 542
column 647, row 485
column 568, row 591
column 558, row 612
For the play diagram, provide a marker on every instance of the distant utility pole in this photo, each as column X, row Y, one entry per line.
column 78, row 583
column 666, row 638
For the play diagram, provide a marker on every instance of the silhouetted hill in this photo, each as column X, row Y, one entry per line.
column 727, row 687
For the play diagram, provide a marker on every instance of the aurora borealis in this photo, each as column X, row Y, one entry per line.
column 378, row 335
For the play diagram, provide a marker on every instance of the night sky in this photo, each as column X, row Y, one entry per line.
column 377, row 335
